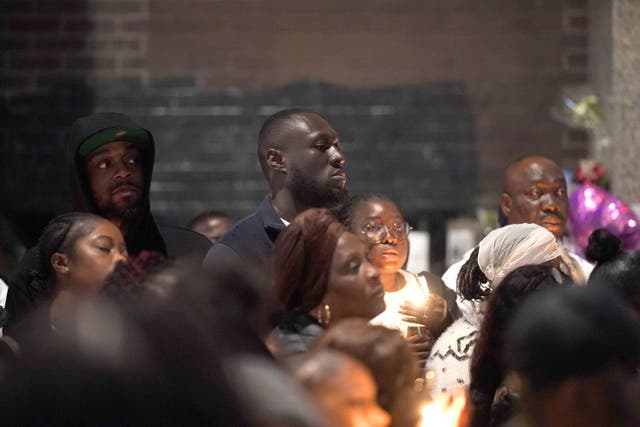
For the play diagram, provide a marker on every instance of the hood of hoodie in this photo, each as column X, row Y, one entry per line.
column 143, row 234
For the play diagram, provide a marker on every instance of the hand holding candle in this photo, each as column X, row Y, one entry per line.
column 429, row 312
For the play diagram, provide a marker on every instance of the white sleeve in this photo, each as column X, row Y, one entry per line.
column 583, row 264
column 4, row 289
column 450, row 278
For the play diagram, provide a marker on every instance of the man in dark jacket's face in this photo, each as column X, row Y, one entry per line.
column 116, row 180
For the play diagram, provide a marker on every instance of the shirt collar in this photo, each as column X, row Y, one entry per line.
column 270, row 218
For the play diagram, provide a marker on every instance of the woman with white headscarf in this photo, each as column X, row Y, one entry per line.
column 499, row 253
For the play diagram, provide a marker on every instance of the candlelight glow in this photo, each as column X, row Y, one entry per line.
column 445, row 411
column 416, row 296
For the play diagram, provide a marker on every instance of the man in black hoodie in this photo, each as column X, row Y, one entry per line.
column 110, row 162
column 110, row 159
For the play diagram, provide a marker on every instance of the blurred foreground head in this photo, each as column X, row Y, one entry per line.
column 390, row 360
column 577, row 352
column 616, row 268
column 121, row 364
column 342, row 387
column 229, row 301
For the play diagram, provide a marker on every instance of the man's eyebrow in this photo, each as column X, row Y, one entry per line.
column 104, row 150
column 324, row 134
column 98, row 152
column 543, row 181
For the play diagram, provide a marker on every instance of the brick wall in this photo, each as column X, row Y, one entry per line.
column 202, row 74
column 413, row 143
column 513, row 57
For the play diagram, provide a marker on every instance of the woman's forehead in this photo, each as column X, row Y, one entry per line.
column 348, row 244
column 378, row 207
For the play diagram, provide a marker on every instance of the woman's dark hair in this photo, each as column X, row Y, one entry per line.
column 602, row 246
column 301, row 259
column 487, row 367
column 615, row 268
column 345, row 212
column 388, row 357
column 471, row 278
column 60, row 235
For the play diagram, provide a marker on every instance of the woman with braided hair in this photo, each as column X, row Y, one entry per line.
column 75, row 253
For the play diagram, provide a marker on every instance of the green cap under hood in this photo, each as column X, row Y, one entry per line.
column 87, row 134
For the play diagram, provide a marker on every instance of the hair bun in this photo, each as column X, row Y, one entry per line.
column 603, row 246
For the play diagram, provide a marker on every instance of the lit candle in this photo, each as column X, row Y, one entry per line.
column 445, row 411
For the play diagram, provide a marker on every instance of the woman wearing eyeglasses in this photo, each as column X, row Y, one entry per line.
column 416, row 303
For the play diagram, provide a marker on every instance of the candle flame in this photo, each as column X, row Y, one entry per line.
column 446, row 410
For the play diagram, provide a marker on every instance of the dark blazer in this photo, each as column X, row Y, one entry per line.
column 251, row 239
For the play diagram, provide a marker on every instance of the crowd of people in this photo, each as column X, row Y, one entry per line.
column 303, row 313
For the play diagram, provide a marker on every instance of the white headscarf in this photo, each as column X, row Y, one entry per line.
column 507, row 248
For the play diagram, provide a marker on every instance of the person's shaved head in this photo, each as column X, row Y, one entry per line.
column 535, row 191
column 273, row 133
column 301, row 159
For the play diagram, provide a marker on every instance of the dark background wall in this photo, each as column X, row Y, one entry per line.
column 432, row 98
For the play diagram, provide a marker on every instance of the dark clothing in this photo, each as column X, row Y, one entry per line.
column 294, row 334
column 251, row 239
column 144, row 234
column 25, row 294
column 182, row 242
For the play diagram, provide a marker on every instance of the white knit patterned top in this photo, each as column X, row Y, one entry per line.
column 450, row 358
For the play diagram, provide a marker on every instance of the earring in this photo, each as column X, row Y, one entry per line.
column 324, row 314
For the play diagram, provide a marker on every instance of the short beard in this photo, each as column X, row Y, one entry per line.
column 311, row 194
column 128, row 213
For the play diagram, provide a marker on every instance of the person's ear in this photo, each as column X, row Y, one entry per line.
column 60, row 263
column 275, row 160
column 505, row 204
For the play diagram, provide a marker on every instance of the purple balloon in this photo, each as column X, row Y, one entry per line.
column 591, row 207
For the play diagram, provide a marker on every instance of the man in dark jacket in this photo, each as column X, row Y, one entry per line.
column 303, row 164
column 110, row 160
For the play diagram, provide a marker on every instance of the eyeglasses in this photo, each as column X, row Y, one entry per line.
column 376, row 233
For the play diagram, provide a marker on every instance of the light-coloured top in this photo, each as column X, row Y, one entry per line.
column 4, row 290
column 450, row 358
column 415, row 290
